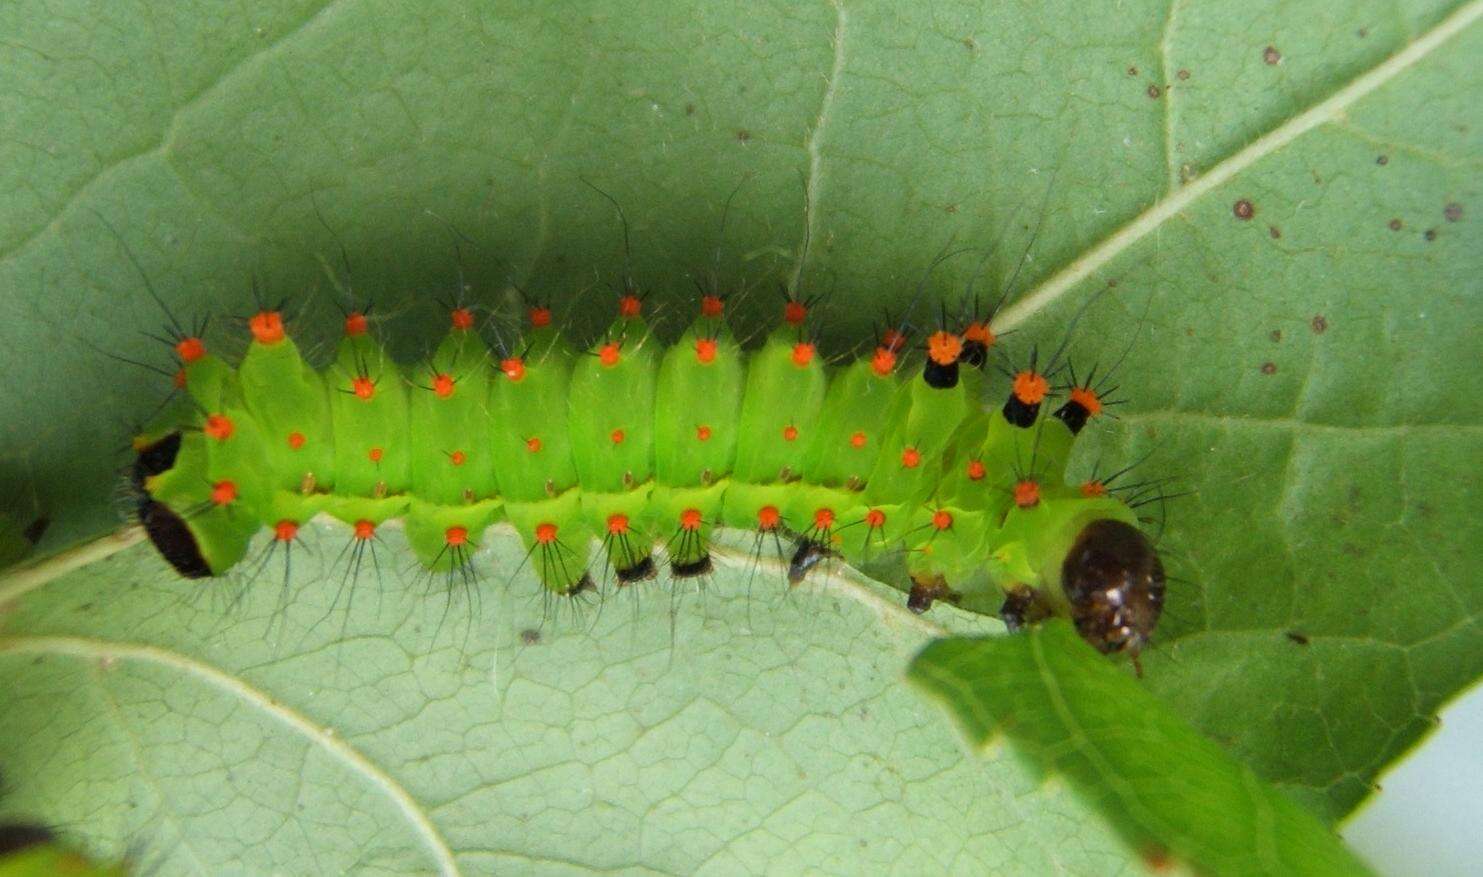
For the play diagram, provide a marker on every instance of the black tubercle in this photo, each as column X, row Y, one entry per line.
column 975, row 353
column 156, row 458
column 692, row 569
column 639, row 572
column 805, row 558
column 19, row 836
column 939, row 376
column 1019, row 413
column 1074, row 415
column 173, row 538
column 1114, row 580
column 1023, row 607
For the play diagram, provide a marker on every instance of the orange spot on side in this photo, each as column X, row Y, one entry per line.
column 223, row 492
column 443, row 385
column 875, row 519
column 514, row 368
column 790, row 433
column 1087, row 398
column 1030, row 387
column 883, row 362
column 943, row 348
column 285, row 530
column 178, row 379
column 976, row 470
column 462, row 319
column 458, row 458
column 705, row 350
column 546, row 533
column 266, row 326
column 456, row 536
column 540, row 317
column 690, row 520
column 703, row 433
column 803, row 354
column 618, row 523
column 979, row 332
column 712, row 306
column 296, row 440
column 355, row 324
column 364, row 529
column 942, row 519
column 617, row 436
column 768, row 517
column 363, row 387
column 190, row 349
column 893, row 340
column 1091, row 489
column 857, row 440
column 533, row 445
column 629, row 307
column 375, row 455
column 911, row 458
column 219, row 427
column 795, row 312
column 1026, row 493
column 823, row 519
column 609, row 354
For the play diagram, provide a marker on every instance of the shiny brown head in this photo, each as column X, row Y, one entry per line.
column 1115, row 583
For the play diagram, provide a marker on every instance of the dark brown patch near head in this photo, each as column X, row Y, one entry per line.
column 173, row 538
column 1114, row 581
column 17, row 837
column 1244, row 209
column 156, row 458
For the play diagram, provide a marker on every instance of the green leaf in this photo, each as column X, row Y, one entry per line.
column 1167, row 789
column 1308, row 374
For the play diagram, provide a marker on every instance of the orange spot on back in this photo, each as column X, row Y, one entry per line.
column 546, row 533
column 712, row 306
column 795, row 312
column 976, row 470
column 266, row 326
column 875, row 519
column 703, row 433
column 514, row 368
column 443, row 385
column 363, row 387
column 609, row 354
column 883, row 362
column 364, row 529
column 533, row 445
column 911, row 458
column 630, row 306
column 219, row 427
column 375, row 455
column 462, row 319
column 223, row 492
column 690, row 520
column 823, row 519
column 1030, row 387
column 1087, row 398
column 768, row 517
column 190, row 349
column 456, row 536
column 942, row 519
column 285, row 530
column 803, row 354
column 1091, row 489
column 979, row 332
column 355, row 324
column 540, row 317
column 857, row 440
column 1026, row 493
column 618, row 523
column 617, row 436
column 296, row 440
column 790, row 433
column 705, row 350
column 943, row 348
column 893, row 340
column 458, row 458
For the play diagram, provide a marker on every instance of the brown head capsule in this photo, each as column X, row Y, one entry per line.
column 1115, row 583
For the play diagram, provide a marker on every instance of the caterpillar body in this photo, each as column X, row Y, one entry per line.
column 634, row 444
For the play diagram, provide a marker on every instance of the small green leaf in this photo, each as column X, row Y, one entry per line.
column 1166, row 788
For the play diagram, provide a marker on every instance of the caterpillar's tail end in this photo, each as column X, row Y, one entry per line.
column 173, row 538
column 1114, row 581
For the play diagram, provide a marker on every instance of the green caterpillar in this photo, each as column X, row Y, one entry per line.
column 635, row 444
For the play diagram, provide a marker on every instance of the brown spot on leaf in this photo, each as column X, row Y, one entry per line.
column 689, row 109
column 1298, row 637
column 970, row 44
column 1394, row 225
column 1244, row 209
column 743, row 135
column 1132, row 71
column 1274, row 231
column 530, row 636
column 1154, row 91
column 1382, row 160
column 951, row 208
column 1269, row 368
column 1276, row 335
column 1430, row 234
column 1362, row 32
column 1452, row 212
column 1183, row 73
column 1320, row 325
column 1271, row 55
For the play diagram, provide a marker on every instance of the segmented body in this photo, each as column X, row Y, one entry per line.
column 635, row 444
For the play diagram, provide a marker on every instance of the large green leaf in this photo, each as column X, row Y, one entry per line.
column 1307, row 371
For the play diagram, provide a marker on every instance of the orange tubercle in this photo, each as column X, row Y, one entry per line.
column 364, row 529
column 618, row 523
column 768, row 517
column 375, row 454
column 893, row 340
column 456, row 536
column 219, row 427
column 703, row 433
column 979, row 332
column 296, row 440
column 1026, row 493
column 356, row 324
column 190, row 349
column 705, row 350
column 875, row 519
column 944, row 348
column 823, row 519
column 1031, row 387
column 1087, row 398
column 857, row 440
column 790, row 433
column 462, row 319
column 267, row 327
column 540, row 317
column 514, row 368
column 712, row 306
column 883, row 361
column 443, row 385
column 911, row 458
column 795, row 312
column 942, row 519
column 609, row 354
column 458, row 458
column 223, row 492
column 546, row 533
column 285, row 530
column 1092, row 489
column 533, row 445
column 803, row 354
column 630, row 306
column 617, row 436
column 976, row 470
column 363, row 387
column 690, row 520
